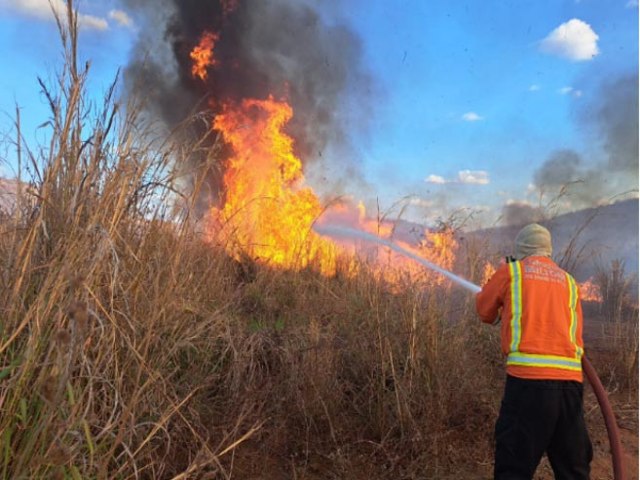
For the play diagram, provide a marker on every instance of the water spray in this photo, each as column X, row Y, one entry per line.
column 352, row 233
column 589, row 371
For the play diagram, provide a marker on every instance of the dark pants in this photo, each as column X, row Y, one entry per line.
column 538, row 416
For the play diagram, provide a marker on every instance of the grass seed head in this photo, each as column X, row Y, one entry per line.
column 75, row 282
column 58, row 454
column 79, row 314
column 63, row 338
column 49, row 388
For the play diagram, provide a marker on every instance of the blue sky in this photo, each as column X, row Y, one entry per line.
column 471, row 98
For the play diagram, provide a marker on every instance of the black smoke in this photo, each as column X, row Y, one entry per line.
column 283, row 48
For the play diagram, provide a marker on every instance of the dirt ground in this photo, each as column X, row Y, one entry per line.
column 364, row 466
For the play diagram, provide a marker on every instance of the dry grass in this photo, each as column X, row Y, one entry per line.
column 131, row 348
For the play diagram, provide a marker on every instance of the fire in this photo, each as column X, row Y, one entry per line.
column 202, row 55
column 439, row 248
column 488, row 272
column 268, row 211
column 267, row 206
column 590, row 292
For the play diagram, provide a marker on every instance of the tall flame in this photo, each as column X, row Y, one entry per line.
column 267, row 206
column 268, row 211
column 202, row 55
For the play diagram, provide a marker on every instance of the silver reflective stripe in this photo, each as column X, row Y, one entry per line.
column 515, row 271
column 532, row 360
column 573, row 305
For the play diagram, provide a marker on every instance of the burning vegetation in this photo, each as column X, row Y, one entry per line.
column 266, row 210
column 274, row 111
column 131, row 348
column 590, row 292
column 202, row 55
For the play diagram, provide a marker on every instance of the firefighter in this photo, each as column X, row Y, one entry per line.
column 538, row 305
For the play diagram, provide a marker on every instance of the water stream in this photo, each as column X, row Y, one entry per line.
column 339, row 232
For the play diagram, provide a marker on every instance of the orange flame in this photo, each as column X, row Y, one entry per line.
column 202, row 55
column 437, row 247
column 590, row 292
column 488, row 272
column 268, row 211
column 267, row 207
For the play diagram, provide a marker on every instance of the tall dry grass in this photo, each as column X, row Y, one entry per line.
column 130, row 347
column 619, row 326
column 102, row 301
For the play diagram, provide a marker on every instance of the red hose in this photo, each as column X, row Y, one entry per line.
column 609, row 419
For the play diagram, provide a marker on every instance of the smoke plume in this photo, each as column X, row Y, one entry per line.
column 520, row 213
column 283, row 48
column 613, row 117
column 561, row 168
column 616, row 117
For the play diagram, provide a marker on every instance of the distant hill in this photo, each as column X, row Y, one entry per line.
column 8, row 189
column 608, row 233
column 600, row 235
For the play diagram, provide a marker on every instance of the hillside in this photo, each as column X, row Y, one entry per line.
column 608, row 233
column 8, row 190
column 597, row 236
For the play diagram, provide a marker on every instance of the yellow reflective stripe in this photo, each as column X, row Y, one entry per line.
column 515, row 271
column 548, row 361
column 573, row 303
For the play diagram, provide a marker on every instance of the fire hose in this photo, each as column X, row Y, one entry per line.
column 609, row 419
column 589, row 371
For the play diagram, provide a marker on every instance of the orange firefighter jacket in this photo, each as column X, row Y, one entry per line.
column 539, row 306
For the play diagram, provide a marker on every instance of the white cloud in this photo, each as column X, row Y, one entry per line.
column 121, row 18
column 421, row 202
column 534, row 88
column 36, row 8
column 570, row 91
column 44, row 9
column 91, row 22
column 574, row 40
column 468, row 177
column 437, row 179
column 473, row 177
column 471, row 117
